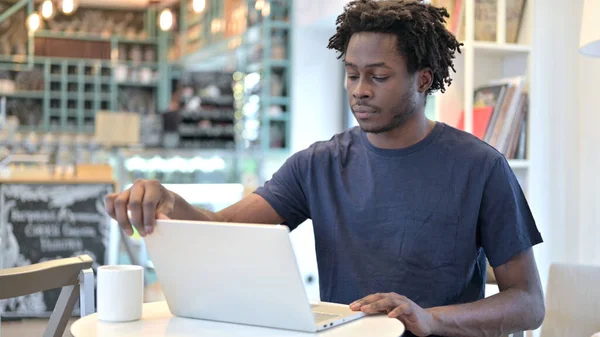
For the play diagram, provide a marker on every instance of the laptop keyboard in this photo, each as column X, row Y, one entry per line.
column 320, row 316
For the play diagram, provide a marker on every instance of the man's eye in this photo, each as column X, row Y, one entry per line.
column 380, row 78
column 353, row 77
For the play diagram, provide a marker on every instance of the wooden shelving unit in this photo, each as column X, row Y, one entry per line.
column 93, row 37
column 481, row 63
column 519, row 164
column 484, row 62
column 262, row 50
column 88, row 71
column 494, row 49
column 76, row 87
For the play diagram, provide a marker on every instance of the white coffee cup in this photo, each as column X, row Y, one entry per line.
column 120, row 293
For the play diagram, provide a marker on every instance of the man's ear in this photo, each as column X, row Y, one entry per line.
column 424, row 79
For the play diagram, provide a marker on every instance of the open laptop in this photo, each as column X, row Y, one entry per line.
column 237, row 273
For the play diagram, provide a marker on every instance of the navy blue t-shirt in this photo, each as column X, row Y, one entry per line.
column 418, row 221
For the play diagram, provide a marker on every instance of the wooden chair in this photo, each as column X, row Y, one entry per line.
column 74, row 275
column 572, row 301
column 491, row 277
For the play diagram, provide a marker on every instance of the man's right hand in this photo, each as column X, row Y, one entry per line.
column 147, row 200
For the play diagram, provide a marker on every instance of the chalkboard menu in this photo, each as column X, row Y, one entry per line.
column 41, row 222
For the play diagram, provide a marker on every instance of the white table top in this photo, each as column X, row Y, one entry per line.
column 157, row 321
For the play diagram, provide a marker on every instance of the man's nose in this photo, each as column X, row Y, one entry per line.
column 362, row 91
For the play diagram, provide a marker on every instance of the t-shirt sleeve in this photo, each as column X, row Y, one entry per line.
column 285, row 192
column 506, row 224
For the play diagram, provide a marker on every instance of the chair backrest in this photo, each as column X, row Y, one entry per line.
column 490, row 276
column 572, row 301
column 19, row 281
column 70, row 274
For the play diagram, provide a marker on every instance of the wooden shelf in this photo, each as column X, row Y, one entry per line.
column 137, row 84
column 92, row 79
column 519, row 164
column 500, row 49
column 280, row 24
column 281, row 118
column 279, row 101
column 24, row 94
column 91, row 37
column 133, row 64
column 255, row 67
column 86, row 79
column 41, row 60
column 62, row 130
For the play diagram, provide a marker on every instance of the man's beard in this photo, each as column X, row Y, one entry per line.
column 400, row 117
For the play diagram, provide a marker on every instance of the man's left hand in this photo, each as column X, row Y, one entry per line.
column 416, row 319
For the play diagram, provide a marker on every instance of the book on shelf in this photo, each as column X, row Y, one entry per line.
column 485, row 18
column 455, row 9
column 500, row 116
column 484, row 104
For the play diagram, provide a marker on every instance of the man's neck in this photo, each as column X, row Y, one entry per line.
column 407, row 134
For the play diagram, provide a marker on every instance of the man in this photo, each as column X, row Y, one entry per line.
column 405, row 210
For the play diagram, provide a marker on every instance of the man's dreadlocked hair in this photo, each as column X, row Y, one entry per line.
column 422, row 37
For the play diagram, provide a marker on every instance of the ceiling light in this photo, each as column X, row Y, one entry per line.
column 47, row 9
column 199, row 5
column 34, row 22
column 589, row 36
column 68, row 6
column 266, row 9
column 165, row 20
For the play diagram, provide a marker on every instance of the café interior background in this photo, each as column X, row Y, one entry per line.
column 210, row 97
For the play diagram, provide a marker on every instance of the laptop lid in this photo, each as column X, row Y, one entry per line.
column 230, row 272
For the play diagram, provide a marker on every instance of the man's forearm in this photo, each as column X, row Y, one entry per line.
column 251, row 209
column 510, row 311
column 184, row 211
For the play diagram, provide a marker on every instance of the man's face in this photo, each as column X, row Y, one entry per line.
column 382, row 93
